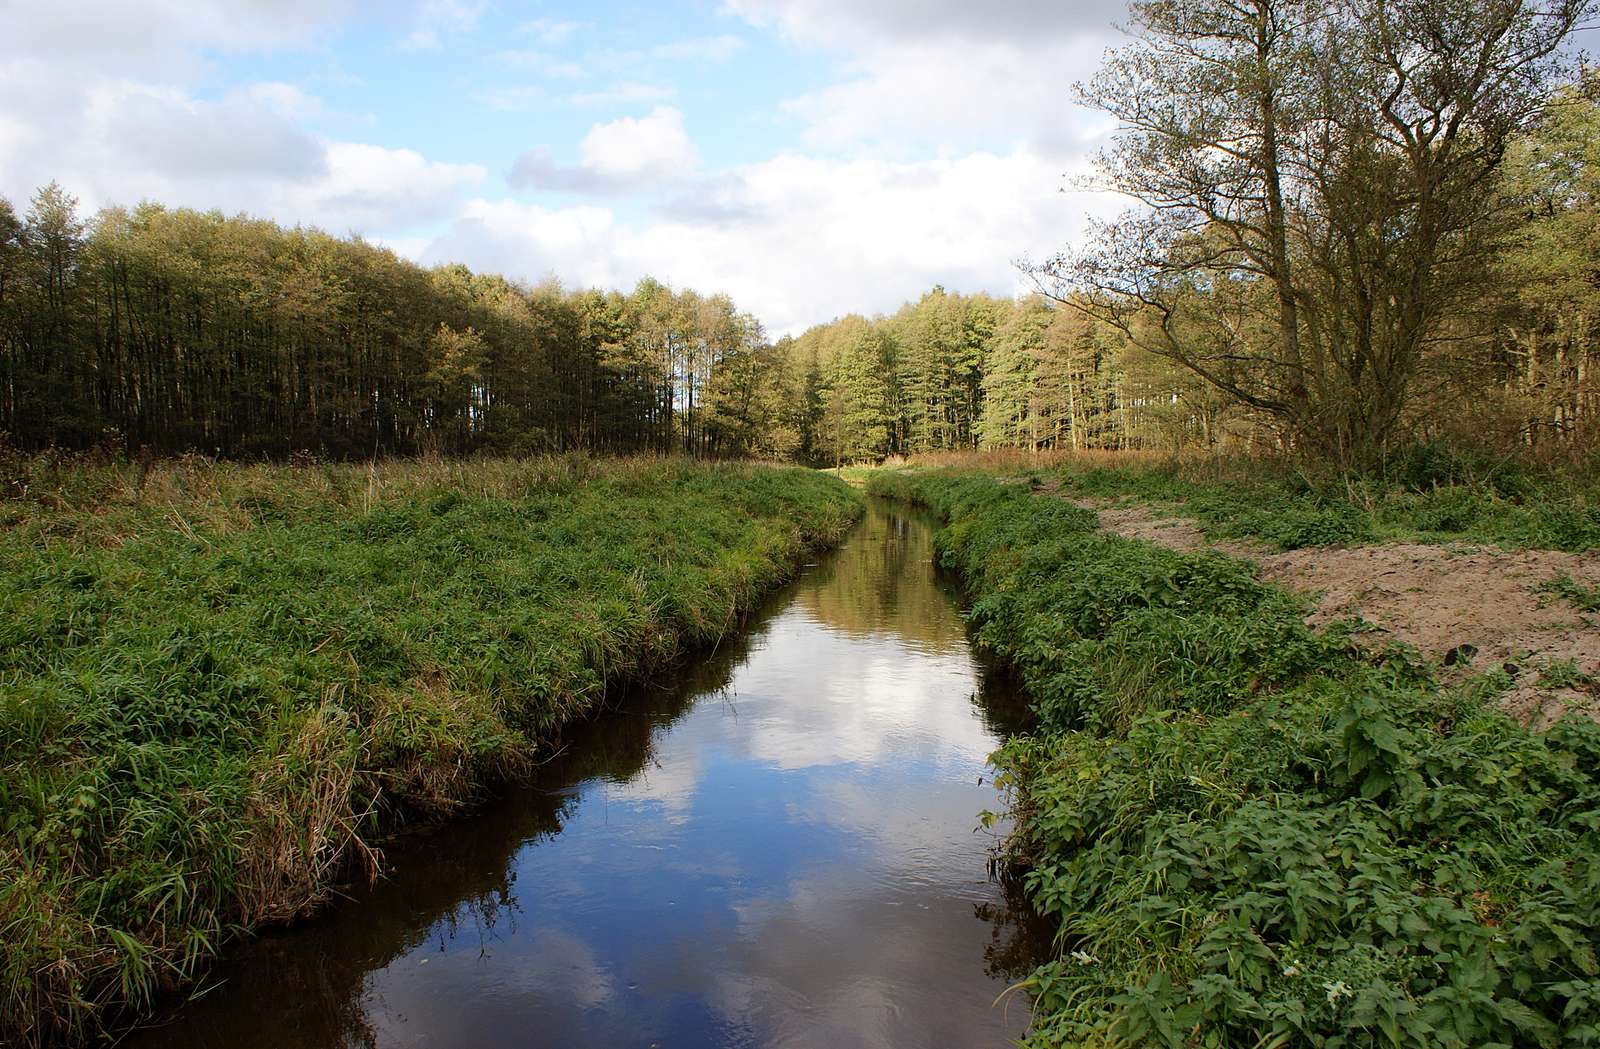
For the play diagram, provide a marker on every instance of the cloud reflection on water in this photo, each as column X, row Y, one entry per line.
column 787, row 860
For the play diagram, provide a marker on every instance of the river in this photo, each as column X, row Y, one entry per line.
column 776, row 848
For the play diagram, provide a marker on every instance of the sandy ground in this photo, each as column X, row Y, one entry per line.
column 1467, row 607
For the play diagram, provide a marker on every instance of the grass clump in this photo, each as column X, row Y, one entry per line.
column 1252, row 833
column 1563, row 586
column 1421, row 495
column 219, row 684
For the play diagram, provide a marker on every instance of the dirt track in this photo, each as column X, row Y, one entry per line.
column 1468, row 606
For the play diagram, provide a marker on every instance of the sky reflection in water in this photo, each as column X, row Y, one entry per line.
column 780, row 851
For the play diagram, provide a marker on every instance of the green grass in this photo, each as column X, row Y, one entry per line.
column 1423, row 495
column 219, row 685
column 1563, row 586
column 1250, row 833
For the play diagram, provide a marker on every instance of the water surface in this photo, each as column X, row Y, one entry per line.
column 778, row 850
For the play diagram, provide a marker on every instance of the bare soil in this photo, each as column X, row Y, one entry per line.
column 1465, row 607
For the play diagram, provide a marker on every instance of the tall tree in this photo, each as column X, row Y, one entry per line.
column 1545, row 310
column 1317, row 189
column 857, row 417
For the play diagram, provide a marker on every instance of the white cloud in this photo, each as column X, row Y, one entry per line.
column 916, row 94
column 625, row 154
column 626, row 93
column 95, row 99
column 542, row 63
column 849, row 23
column 918, row 73
column 374, row 188
column 798, row 239
column 550, row 32
column 704, row 49
column 112, row 38
column 120, row 142
column 161, row 130
column 635, row 147
column 439, row 19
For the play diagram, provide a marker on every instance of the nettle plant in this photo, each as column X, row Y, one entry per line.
column 1251, row 833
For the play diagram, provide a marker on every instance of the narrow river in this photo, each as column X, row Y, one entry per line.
column 777, row 850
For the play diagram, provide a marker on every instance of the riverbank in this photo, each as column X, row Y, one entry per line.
column 223, row 684
column 1253, row 831
column 1464, row 606
column 770, row 845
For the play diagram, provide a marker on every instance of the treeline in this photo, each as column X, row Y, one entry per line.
column 177, row 330
column 1513, row 368
column 174, row 330
column 952, row 372
column 1359, row 222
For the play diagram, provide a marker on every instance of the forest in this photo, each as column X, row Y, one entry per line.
column 170, row 330
column 173, row 330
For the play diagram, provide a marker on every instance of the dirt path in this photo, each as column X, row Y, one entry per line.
column 1461, row 606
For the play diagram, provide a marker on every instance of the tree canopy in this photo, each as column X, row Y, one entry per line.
column 1320, row 194
column 1349, row 240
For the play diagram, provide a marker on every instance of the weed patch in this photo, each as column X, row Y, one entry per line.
column 219, row 684
column 1417, row 498
column 1563, row 586
column 1252, row 833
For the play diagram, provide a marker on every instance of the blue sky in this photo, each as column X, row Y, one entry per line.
column 810, row 157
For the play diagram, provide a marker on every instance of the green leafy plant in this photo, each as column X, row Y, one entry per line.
column 1436, row 497
column 1251, row 833
column 1564, row 587
column 219, row 684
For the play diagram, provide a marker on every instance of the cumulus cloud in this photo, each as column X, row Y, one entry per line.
column 914, row 71
column 112, row 38
column 627, row 153
column 915, row 94
column 164, row 131
column 1024, row 23
column 96, row 100
column 798, row 238
column 639, row 146
column 121, row 142
column 372, row 188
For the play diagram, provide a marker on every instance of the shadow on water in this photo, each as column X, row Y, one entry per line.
column 777, row 848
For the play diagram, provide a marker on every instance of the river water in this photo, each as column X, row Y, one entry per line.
column 779, row 849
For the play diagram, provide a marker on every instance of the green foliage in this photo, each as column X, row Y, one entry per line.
column 1251, row 833
column 1423, row 495
column 176, row 330
column 1563, row 673
column 1566, row 588
column 218, row 684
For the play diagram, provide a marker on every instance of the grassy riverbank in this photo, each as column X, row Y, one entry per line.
column 1253, row 833
column 1512, row 510
column 1423, row 494
column 219, row 684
